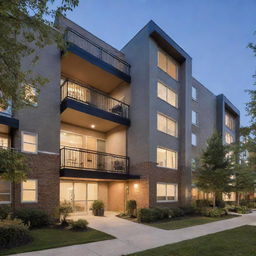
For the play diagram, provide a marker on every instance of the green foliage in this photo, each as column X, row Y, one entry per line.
column 212, row 212
column 242, row 209
column 27, row 27
column 131, row 207
column 64, row 211
column 203, row 203
column 13, row 233
column 177, row 212
column 34, row 218
column 5, row 211
column 215, row 170
column 79, row 225
column 188, row 210
column 97, row 205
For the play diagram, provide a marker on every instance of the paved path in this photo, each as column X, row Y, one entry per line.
column 133, row 237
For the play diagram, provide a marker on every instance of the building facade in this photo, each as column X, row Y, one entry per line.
column 114, row 125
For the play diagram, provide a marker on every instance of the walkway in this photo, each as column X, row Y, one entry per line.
column 133, row 237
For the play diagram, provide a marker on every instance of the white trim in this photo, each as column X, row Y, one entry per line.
column 47, row 152
column 176, row 193
column 22, row 142
column 176, row 160
column 36, row 191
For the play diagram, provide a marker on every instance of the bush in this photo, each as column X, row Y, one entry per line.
column 203, row 203
column 242, row 209
column 79, row 225
column 212, row 212
column 148, row 215
column 97, row 205
column 5, row 211
column 177, row 212
column 131, row 207
column 188, row 210
column 220, row 203
column 64, row 211
column 34, row 218
column 13, row 233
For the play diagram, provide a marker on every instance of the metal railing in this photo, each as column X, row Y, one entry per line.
column 94, row 98
column 84, row 159
column 81, row 41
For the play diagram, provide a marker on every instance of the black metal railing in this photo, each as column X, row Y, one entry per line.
column 90, row 96
column 81, row 41
column 84, row 159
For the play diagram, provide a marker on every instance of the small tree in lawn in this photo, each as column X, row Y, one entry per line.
column 13, row 168
column 214, row 172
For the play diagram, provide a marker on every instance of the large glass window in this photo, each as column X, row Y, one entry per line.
column 194, row 139
column 194, row 118
column 229, row 138
column 167, row 158
column 168, row 64
column 194, row 93
column 5, row 192
column 229, row 121
column 29, row 142
column 166, row 94
column 167, row 192
column 31, row 95
column 166, row 125
column 4, row 141
column 29, row 191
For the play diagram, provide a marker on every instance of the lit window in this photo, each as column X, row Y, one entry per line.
column 166, row 125
column 166, row 94
column 167, row 192
column 4, row 141
column 167, row 158
column 5, row 192
column 194, row 139
column 168, row 64
column 194, row 93
column 29, row 142
column 229, row 138
column 229, row 121
column 29, row 191
column 31, row 95
column 194, row 118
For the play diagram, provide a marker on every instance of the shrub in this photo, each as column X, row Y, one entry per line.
column 35, row 218
column 242, row 209
column 213, row 212
column 97, row 204
column 203, row 203
column 79, row 225
column 64, row 211
column 220, row 203
column 152, row 214
column 188, row 210
column 5, row 211
column 131, row 207
column 177, row 212
column 13, row 233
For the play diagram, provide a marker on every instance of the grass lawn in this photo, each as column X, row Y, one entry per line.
column 185, row 222
column 236, row 242
column 51, row 238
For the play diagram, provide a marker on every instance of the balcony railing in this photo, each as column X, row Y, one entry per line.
column 81, row 41
column 94, row 98
column 84, row 159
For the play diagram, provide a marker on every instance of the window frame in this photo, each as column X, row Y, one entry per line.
column 171, row 119
column 22, row 142
column 195, row 135
column 196, row 90
column 10, row 194
column 176, row 158
column 197, row 119
column 176, row 192
column 36, row 192
column 172, row 90
column 28, row 102
column 233, row 139
column 231, row 120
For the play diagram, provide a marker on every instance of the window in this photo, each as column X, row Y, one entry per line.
column 31, row 95
column 166, row 94
column 229, row 121
column 168, row 64
column 166, row 125
column 5, row 192
column 193, row 164
column 29, row 191
column 194, row 139
column 167, row 158
column 29, row 142
column 167, row 192
column 228, row 138
column 194, row 93
column 194, row 118
column 4, row 141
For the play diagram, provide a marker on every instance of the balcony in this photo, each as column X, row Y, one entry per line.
column 83, row 105
column 103, row 69
column 84, row 163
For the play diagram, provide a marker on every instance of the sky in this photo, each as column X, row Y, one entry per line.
column 215, row 33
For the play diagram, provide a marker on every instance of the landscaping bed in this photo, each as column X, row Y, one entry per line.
column 236, row 242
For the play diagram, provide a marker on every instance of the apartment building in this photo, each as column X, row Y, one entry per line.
column 114, row 125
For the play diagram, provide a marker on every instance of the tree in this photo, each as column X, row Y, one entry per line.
column 26, row 26
column 13, row 168
column 214, row 172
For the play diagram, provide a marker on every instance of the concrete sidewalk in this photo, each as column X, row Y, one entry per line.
column 133, row 237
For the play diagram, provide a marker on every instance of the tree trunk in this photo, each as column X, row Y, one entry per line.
column 238, row 198
column 214, row 199
column 13, row 197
